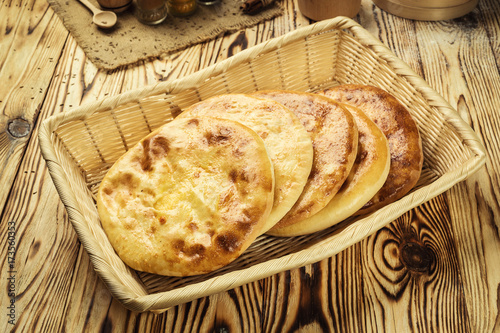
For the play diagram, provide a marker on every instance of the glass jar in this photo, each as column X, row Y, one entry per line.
column 151, row 11
column 181, row 7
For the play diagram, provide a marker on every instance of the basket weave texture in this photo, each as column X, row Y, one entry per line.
column 79, row 146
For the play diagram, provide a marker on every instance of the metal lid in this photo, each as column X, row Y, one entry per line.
column 427, row 10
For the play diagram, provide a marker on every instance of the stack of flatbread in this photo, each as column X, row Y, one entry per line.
column 193, row 195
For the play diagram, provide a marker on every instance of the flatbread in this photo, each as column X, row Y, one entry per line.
column 334, row 135
column 367, row 176
column 189, row 198
column 287, row 142
column 402, row 134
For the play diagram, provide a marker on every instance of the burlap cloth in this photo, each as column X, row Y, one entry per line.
column 130, row 41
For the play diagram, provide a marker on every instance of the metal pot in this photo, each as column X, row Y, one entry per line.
column 427, row 10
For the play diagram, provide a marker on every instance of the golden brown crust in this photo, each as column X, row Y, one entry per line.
column 288, row 144
column 367, row 176
column 335, row 138
column 189, row 198
column 402, row 134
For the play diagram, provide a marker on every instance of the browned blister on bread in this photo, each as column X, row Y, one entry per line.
column 189, row 198
column 401, row 131
column 334, row 135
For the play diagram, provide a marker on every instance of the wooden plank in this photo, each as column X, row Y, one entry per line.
column 413, row 278
column 31, row 40
column 489, row 19
column 463, row 66
column 41, row 288
column 392, row 281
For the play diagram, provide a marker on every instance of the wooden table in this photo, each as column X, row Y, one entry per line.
column 451, row 283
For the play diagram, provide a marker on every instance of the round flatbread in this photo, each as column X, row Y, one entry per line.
column 287, row 142
column 367, row 176
column 334, row 135
column 402, row 133
column 189, row 198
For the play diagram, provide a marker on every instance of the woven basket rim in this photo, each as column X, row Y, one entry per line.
column 163, row 300
column 338, row 23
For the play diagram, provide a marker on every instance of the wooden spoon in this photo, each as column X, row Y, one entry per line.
column 103, row 19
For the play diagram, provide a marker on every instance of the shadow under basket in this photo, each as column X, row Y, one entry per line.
column 79, row 147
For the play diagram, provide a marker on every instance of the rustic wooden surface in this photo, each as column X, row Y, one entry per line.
column 435, row 269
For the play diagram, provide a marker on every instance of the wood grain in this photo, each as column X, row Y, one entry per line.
column 478, row 196
column 31, row 40
column 435, row 269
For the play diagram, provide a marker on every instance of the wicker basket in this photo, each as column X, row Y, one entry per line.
column 80, row 145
